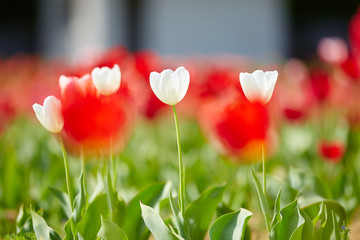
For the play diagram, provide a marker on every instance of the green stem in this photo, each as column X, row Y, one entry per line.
column 68, row 182
column 67, row 172
column 181, row 168
column 267, row 215
column 264, row 168
column 113, row 171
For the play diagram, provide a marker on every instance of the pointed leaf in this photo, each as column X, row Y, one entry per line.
column 111, row 231
column 134, row 226
column 80, row 201
column 264, row 205
column 336, row 230
column 200, row 213
column 90, row 223
column 290, row 224
column 179, row 219
column 155, row 224
column 40, row 227
column 230, row 226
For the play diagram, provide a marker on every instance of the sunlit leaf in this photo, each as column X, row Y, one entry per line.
column 200, row 213
column 230, row 226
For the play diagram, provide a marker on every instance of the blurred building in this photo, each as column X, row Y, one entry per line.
column 248, row 27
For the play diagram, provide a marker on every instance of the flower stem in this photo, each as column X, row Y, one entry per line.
column 68, row 182
column 266, row 215
column 67, row 173
column 181, row 168
column 264, row 168
column 113, row 171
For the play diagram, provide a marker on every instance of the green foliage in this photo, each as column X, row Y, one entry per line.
column 25, row 236
column 230, row 226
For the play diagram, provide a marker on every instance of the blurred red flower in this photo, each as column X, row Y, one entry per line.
column 331, row 151
column 320, row 84
column 93, row 121
column 351, row 68
column 236, row 126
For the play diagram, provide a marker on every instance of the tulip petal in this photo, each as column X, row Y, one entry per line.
column 184, row 81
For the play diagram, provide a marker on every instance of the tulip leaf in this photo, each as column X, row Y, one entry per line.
column 264, row 205
column 289, row 225
column 90, row 223
column 23, row 221
column 200, row 213
column 68, row 232
column 41, row 229
column 63, row 199
column 320, row 211
column 183, row 229
column 230, row 226
column 134, row 226
column 155, row 224
column 111, row 231
column 336, row 230
column 80, row 201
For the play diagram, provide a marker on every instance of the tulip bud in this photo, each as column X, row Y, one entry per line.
column 170, row 86
column 49, row 114
column 106, row 81
column 259, row 85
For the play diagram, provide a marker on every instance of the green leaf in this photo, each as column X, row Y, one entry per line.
column 183, row 229
column 68, row 232
column 264, row 205
column 111, row 231
column 54, row 235
column 321, row 215
column 230, row 226
column 290, row 224
column 336, row 230
column 63, row 199
column 90, row 223
column 80, row 201
column 23, row 221
column 40, row 227
column 277, row 209
column 200, row 213
column 134, row 226
column 155, row 224
column 308, row 229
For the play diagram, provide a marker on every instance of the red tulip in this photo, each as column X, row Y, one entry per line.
column 331, row 151
column 236, row 125
column 91, row 120
column 320, row 84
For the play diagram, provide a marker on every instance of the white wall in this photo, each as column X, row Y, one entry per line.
column 248, row 27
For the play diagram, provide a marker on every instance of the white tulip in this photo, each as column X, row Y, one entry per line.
column 259, row 85
column 106, row 81
column 50, row 115
column 170, row 86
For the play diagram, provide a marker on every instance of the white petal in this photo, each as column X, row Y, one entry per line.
column 106, row 81
column 39, row 112
column 184, row 76
column 271, row 78
column 250, row 87
column 155, row 84
column 50, row 115
column 63, row 82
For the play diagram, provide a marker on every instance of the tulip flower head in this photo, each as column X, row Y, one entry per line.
column 259, row 85
column 49, row 114
column 170, row 86
column 106, row 81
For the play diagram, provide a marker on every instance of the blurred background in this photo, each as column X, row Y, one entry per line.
column 258, row 28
